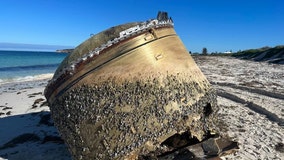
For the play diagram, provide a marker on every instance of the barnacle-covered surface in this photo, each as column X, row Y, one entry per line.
column 111, row 120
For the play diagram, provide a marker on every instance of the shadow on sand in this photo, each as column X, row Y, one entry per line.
column 31, row 136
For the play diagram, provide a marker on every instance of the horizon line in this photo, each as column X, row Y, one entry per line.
column 32, row 47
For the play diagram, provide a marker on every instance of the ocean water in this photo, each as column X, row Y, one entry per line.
column 27, row 65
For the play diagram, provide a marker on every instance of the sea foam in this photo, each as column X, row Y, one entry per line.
column 46, row 76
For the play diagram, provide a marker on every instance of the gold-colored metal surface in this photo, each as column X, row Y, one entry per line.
column 129, row 101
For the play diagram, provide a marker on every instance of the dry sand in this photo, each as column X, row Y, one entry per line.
column 251, row 96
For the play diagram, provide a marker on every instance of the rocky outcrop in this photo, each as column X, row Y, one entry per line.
column 65, row 50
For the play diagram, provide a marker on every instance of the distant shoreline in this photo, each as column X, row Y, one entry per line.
column 31, row 47
column 64, row 50
column 15, row 50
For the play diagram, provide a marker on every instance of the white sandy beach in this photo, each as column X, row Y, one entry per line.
column 26, row 130
column 251, row 96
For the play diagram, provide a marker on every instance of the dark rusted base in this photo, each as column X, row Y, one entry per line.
column 211, row 149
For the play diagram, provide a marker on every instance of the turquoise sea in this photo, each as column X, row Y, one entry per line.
column 25, row 65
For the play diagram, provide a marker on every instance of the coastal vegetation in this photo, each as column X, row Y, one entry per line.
column 268, row 54
column 204, row 51
column 271, row 55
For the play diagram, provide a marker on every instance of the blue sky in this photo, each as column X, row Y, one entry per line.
column 218, row 25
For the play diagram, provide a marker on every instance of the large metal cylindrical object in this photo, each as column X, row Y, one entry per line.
column 132, row 97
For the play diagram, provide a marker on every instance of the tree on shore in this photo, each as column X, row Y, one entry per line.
column 204, row 51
